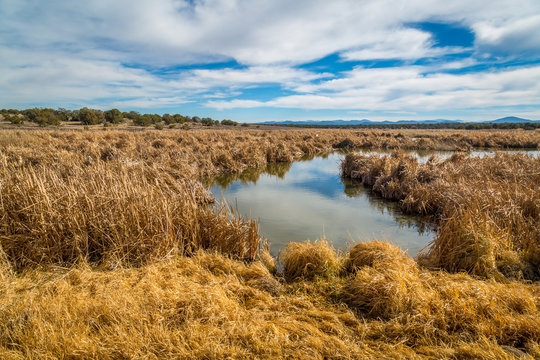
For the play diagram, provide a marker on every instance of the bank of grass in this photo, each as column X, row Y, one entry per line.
column 210, row 306
column 488, row 208
column 110, row 248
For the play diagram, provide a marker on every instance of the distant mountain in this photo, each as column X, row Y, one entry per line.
column 512, row 119
column 357, row 122
column 508, row 119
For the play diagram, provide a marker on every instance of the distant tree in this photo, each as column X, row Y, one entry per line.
column 9, row 112
column 113, row 116
column 168, row 119
column 181, row 118
column 196, row 119
column 228, row 122
column 147, row 120
column 156, row 118
column 14, row 119
column 64, row 114
column 42, row 117
column 207, row 121
column 89, row 117
column 131, row 115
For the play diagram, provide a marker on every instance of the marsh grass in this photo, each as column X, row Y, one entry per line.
column 488, row 208
column 107, row 213
column 110, row 248
column 211, row 306
column 307, row 260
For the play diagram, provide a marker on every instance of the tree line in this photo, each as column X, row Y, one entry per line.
column 54, row 117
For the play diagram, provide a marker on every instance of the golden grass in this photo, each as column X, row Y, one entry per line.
column 107, row 213
column 488, row 208
column 369, row 253
column 210, row 306
column 110, row 248
column 307, row 260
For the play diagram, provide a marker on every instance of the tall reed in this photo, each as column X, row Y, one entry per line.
column 488, row 207
column 107, row 212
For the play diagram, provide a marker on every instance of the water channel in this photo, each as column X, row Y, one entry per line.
column 308, row 199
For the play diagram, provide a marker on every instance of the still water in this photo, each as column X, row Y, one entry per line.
column 308, row 199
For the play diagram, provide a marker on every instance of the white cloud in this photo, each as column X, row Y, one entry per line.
column 408, row 89
column 258, row 32
column 522, row 36
column 66, row 52
column 283, row 75
column 399, row 44
column 233, row 104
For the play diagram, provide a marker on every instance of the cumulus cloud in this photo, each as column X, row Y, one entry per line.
column 114, row 52
column 256, row 32
column 510, row 36
column 408, row 88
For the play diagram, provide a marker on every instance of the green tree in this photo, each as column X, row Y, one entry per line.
column 147, row 120
column 132, row 115
column 228, row 122
column 168, row 119
column 207, row 121
column 14, row 119
column 88, row 116
column 42, row 117
column 113, row 116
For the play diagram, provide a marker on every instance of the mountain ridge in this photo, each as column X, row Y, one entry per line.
column 507, row 119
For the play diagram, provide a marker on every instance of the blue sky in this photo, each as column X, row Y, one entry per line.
column 274, row 60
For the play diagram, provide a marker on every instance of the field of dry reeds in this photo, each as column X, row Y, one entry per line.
column 488, row 208
column 110, row 248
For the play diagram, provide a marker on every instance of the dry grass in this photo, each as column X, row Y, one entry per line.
column 307, row 260
column 369, row 253
column 111, row 214
column 210, row 306
column 111, row 249
column 488, row 208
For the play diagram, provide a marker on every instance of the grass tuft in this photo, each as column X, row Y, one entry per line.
column 307, row 260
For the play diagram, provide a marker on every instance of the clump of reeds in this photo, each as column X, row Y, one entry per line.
column 487, row 207
column 110, row 213
column 470, row 240
column 371, row 253
column 386, row 281
column 309, row 259
column 433, row 307
column 386, row 291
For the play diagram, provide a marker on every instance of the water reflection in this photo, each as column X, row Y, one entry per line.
column 248, row 176
column 308, row 199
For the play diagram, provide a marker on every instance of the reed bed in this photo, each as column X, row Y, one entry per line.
column 488, row 208
column 110, row 248
column 209, row 152
column 111, row 214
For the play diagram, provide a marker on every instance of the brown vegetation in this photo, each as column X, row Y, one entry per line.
column 488, row 208
column 111, row 249
column 307, row 260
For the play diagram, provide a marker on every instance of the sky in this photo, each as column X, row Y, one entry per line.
column 272, row 60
